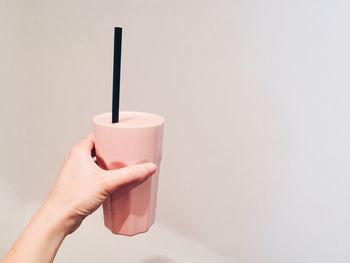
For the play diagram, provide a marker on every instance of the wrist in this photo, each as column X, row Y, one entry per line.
column 62, row 217
column 50, row 220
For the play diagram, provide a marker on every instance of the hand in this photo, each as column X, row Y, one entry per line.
column 81, row 187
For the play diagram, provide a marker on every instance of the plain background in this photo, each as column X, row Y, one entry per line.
column 255, row 95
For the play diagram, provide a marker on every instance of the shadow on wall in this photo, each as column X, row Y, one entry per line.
column 157, row 259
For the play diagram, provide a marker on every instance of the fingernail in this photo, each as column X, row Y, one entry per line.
column 152, row 168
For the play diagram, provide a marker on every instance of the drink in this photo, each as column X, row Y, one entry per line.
column 136, row 138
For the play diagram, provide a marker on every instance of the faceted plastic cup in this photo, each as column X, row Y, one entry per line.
column 136, row 138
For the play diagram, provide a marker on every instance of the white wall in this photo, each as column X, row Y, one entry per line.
column 12, row 78
column 255, row 94
column 12, row 118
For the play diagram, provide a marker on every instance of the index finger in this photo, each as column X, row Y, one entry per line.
column 87, row 144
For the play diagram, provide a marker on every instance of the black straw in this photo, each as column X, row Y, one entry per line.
column 116, row 73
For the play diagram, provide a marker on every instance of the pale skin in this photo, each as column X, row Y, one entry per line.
column 81, row 187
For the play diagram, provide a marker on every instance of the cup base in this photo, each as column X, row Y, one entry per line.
column 129, row 234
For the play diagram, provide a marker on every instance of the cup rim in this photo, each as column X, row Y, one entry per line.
column 96, row 121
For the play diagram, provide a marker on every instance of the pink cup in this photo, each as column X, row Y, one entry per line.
column 136, row 138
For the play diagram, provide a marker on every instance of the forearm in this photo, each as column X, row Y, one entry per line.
column 41, row 238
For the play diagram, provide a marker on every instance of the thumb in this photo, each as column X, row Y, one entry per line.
column 132, row 175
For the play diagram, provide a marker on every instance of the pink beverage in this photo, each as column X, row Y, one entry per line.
column 136, row 138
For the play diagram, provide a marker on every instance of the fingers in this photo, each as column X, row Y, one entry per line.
column 130, row 175
column 87, row 143
column 86, row 148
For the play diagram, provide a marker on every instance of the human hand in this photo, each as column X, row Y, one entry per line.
column 82, row 186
